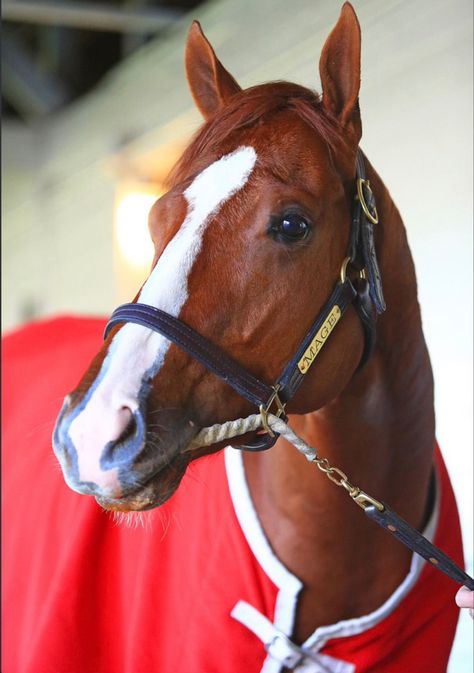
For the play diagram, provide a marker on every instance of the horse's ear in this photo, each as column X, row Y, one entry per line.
column 210, row 83
column 339, row 68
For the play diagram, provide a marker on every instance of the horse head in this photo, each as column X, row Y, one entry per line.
column 249, row 241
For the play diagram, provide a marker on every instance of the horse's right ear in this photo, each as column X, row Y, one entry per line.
column 339, row 68
column 210, row 83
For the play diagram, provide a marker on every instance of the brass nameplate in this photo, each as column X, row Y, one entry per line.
column 320, row 339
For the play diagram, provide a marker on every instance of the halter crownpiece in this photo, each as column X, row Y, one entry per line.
column 362, row 234
column 365, row 292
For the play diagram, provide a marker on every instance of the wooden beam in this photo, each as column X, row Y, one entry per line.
column 27, row 89
column 89, row 15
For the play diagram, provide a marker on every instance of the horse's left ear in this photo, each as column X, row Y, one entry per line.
column 210, row 83
column 339, row 68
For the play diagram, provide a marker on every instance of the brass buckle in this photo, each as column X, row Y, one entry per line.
column 373, row 217
column 265, row 409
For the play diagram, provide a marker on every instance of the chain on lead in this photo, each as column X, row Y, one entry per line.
column 336, row 475
column 340, row 478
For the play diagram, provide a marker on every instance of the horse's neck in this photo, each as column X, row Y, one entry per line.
column 380, row 431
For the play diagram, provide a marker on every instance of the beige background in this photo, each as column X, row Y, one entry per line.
column 60, row 180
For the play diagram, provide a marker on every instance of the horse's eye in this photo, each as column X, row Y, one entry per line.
column 289, row 227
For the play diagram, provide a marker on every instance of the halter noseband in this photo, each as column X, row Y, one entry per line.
column 365, row 292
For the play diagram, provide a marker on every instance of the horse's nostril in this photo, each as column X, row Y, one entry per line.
column 128, row 424
column 126, row 441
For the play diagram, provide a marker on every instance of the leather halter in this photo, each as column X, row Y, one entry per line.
column 365, row 292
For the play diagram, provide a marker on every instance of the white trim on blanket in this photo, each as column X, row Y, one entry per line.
column 289, row 585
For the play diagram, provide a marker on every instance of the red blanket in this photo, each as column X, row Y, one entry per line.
column 84, row 594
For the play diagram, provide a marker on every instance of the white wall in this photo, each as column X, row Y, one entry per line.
column 416, row 103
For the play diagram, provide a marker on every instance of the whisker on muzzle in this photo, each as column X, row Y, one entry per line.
column 132, row 519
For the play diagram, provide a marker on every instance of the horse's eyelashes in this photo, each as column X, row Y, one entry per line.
column 289, row 227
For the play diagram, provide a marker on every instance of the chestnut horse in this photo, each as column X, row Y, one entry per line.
column 249, row 242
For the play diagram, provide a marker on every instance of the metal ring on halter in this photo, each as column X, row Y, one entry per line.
column 345, row 264
column 344, row 269
column 373, row 217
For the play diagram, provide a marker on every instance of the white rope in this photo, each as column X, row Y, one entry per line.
column 221, row 431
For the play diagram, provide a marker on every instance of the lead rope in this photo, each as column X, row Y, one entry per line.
column 377, row 511
column 222, row 431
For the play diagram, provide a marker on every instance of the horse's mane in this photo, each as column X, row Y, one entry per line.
column 251, row 106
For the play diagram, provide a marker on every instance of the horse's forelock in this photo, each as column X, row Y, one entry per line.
column 245, row 110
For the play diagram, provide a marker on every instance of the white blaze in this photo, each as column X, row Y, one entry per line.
column 135, row 349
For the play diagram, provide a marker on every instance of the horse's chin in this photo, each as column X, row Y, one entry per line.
column 154, row 493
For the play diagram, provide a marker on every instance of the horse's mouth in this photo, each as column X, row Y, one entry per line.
column 161, row 485
column 154, row 492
